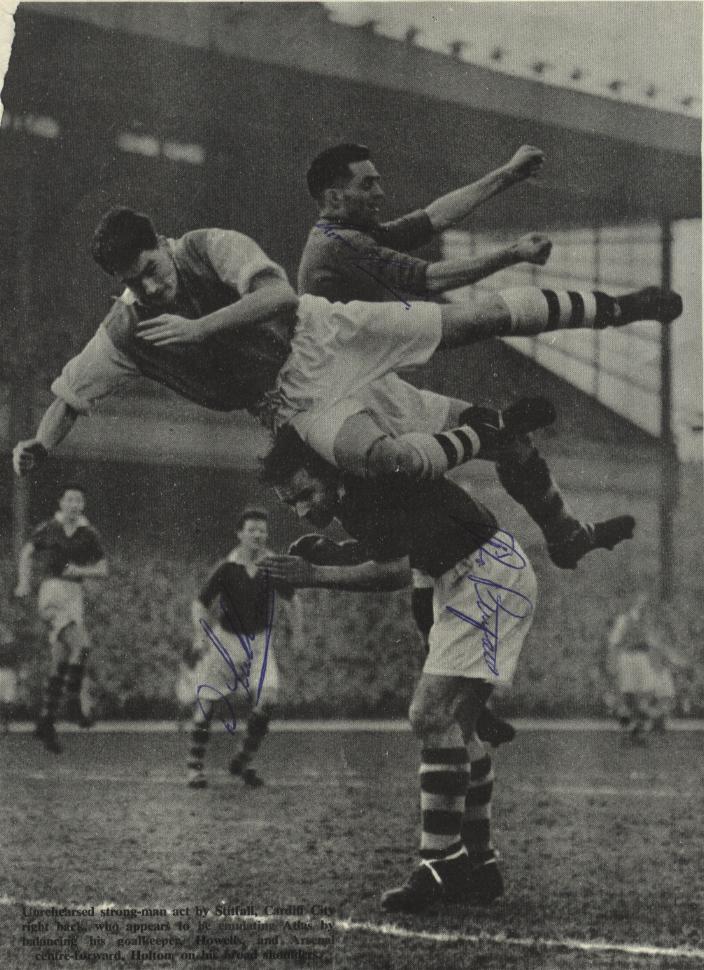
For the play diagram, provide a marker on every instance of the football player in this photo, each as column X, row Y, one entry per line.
column 210, row 316
column 235, row 671
column 484, row 597
column 62, row 552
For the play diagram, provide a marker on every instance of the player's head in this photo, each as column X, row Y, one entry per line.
column 253, row 529
column 72, row 501
column 345, row 184
column 126, row 245
column 303, row 480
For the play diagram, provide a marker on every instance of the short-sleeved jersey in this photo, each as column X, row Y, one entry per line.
column 228, row 371
column 343, row 262
column 54, row 549
column 435, row 523
column 242, row 604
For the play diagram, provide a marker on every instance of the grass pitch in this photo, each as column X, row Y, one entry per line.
column 602, row 848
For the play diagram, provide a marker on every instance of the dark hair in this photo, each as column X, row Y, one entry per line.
column 289, row 454
column 72, row 487
column 331, row 167
column 122, row 235
column 260, row 515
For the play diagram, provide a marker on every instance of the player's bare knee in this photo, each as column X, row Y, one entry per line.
column 394, row 456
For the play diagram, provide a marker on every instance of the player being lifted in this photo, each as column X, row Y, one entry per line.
column 63, row 551
column 210, row 316
column 234, row 626
column 484, row 596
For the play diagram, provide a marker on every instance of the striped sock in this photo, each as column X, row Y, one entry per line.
column 74, row 681
column 443, row 785
column 476, row 823
column 200, row 735
column 536, row 311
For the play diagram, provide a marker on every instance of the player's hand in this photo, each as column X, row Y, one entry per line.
column 292, row 570
column 168, row 328
column 533, row 248
column 527, row 161
column 21, row 592
column 26, row 455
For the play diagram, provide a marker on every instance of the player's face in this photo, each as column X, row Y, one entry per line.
column 253, row 535
column 310, row 498
column 363, row 196
column 72, row 504
column 152, row 277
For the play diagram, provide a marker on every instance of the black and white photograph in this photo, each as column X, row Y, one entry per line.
column 352, row 492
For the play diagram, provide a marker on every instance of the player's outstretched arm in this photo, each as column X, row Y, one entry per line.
column 447, row 274
column 24, row 571
column 369, row 576
column 455, row 206
column 272, row 299
column 57, row 422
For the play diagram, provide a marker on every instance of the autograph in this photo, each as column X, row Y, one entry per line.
column 493, row 599
column 239, row 674
column 361, row 257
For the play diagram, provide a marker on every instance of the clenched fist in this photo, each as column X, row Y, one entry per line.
column 533, row 248
column 527, row 161
column 26, row 455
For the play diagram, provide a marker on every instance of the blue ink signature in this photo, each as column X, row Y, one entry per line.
column 240, row 673
column 360, row 257
column 490, row 600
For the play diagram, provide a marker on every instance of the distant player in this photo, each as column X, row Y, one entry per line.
column 484, row 598
column 61, row 553
column 9, row 659
column 235, row 674
column 210, row 316
column 643, row 662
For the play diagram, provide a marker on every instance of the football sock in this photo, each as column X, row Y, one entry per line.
column 476, row 823
column 74, row 681
column 444, row 776
column 526, row 477
column 200, row 735
column 52, row 697
column 257, row 728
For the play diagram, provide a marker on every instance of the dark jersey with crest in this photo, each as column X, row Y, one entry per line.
column 435, row 523
column 242, row 603
column 54, row 549
column 344, row 262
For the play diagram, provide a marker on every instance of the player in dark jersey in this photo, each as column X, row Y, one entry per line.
column 234, row 620
column 484, row 596
column 351, row 255
column 212, row 317
column 61, row 553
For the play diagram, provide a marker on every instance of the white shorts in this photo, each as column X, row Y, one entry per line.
column 483, row 609
column 636, row 674
column 213, row 676
column 343, row 360
column 8, row 685
column 60, row 603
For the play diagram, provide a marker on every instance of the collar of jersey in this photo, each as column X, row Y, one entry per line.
column 61, row 519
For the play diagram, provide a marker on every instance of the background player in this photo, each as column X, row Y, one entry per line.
column 9, row 659
column 62, row 552
column 234, row 616
column 484, row 597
